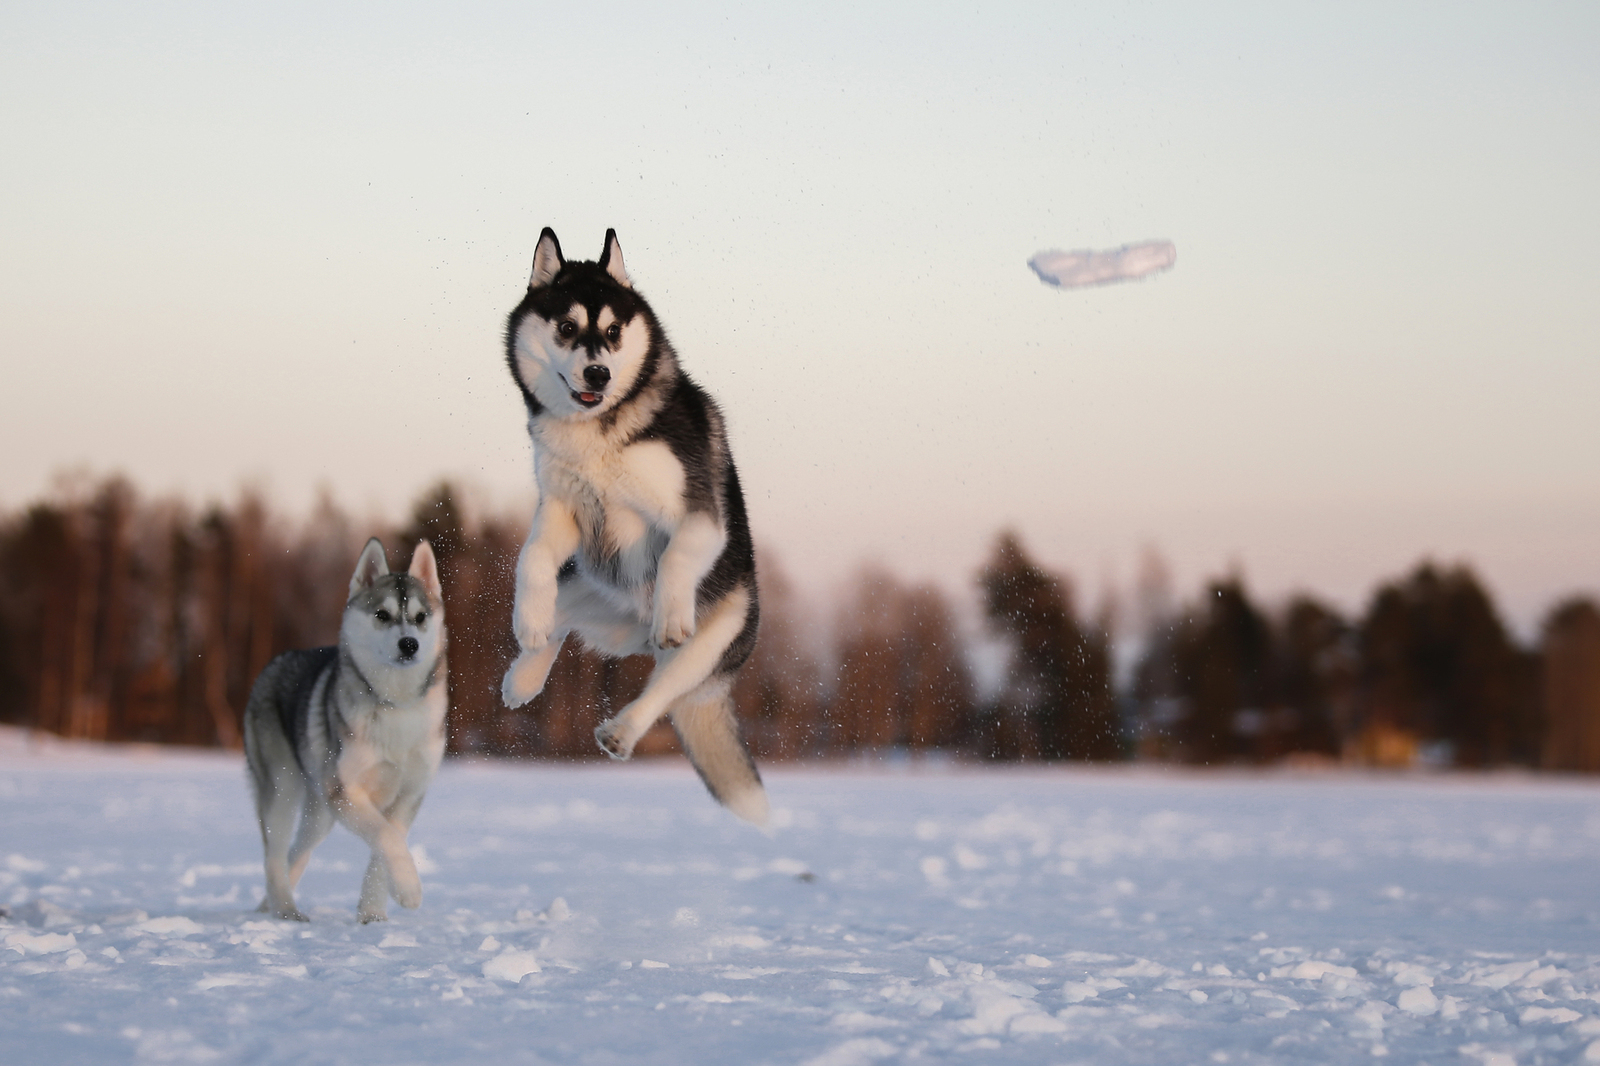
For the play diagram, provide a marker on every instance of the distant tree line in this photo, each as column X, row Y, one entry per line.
column 129, row 619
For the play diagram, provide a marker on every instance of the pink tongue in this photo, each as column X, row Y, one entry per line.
column 588, row 397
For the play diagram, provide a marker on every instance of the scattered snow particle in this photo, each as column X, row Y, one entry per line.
column 40, row 944
column 176, row 925
column 1408, row 976
column 1313, row 970
column 1037, row 1022
column 227, row 980
column 1418, row 1000
column 737, row 940
column 1558, row 1015
column 1489, row 1057
column 858, row 1052
column 510, row 966
column 968, row 859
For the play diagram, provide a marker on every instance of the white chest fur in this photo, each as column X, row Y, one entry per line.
column 627, row 491
column 391, row 747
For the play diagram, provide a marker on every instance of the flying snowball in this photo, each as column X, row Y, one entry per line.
column 1081, row 269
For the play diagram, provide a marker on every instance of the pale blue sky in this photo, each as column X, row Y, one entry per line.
column 278, row 244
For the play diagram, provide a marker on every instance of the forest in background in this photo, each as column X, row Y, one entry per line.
column 124, row 618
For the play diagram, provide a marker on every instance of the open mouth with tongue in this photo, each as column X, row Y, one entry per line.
column 587, row 399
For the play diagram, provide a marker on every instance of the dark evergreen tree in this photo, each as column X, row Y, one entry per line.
column 1057, row 701
column 1439, row 667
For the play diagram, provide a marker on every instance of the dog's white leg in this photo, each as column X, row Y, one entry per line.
column 388, row 844
column 689, row 556
column 528, row 673
column 373, row 906
column 375, row 886
column 276, row 809
column 551, row 542
column 676, row 673
column 316, row 822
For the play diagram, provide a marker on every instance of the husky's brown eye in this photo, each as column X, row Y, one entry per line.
column 422, row 616
column 613, row 332
column 385, row 617
column 568, row 328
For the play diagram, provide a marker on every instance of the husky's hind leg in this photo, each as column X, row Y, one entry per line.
column 677, row 673
column 276, row 807
column 709, row 733
column 316, row 822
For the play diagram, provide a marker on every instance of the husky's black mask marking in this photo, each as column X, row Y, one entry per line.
column 591, row 336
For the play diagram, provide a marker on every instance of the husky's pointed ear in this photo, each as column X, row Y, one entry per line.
column 611, row 260
column 547, row 261
column 370, row 567
column 425, row 568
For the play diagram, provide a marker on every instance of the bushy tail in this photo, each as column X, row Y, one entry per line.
column 709, row 733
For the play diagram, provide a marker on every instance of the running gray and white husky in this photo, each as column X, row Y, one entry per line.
column 640, row 542
column 353, row 734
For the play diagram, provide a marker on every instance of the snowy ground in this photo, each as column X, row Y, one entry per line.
column 895, row 915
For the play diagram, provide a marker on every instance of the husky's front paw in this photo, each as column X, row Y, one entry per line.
column 613, row 739
column 288, row 912
column 672, row 625
column 524, row 679
column 405, row 886
column 533, row 617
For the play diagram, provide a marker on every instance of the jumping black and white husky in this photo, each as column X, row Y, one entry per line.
column 640, row 542
column 353, row 734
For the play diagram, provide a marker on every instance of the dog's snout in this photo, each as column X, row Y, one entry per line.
column 408, row 646
column 595, row 376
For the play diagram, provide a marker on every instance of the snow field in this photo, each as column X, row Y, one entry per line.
column 606, row 914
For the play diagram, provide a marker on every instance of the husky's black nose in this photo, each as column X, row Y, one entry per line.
column 408, row 647
column 595, row 376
